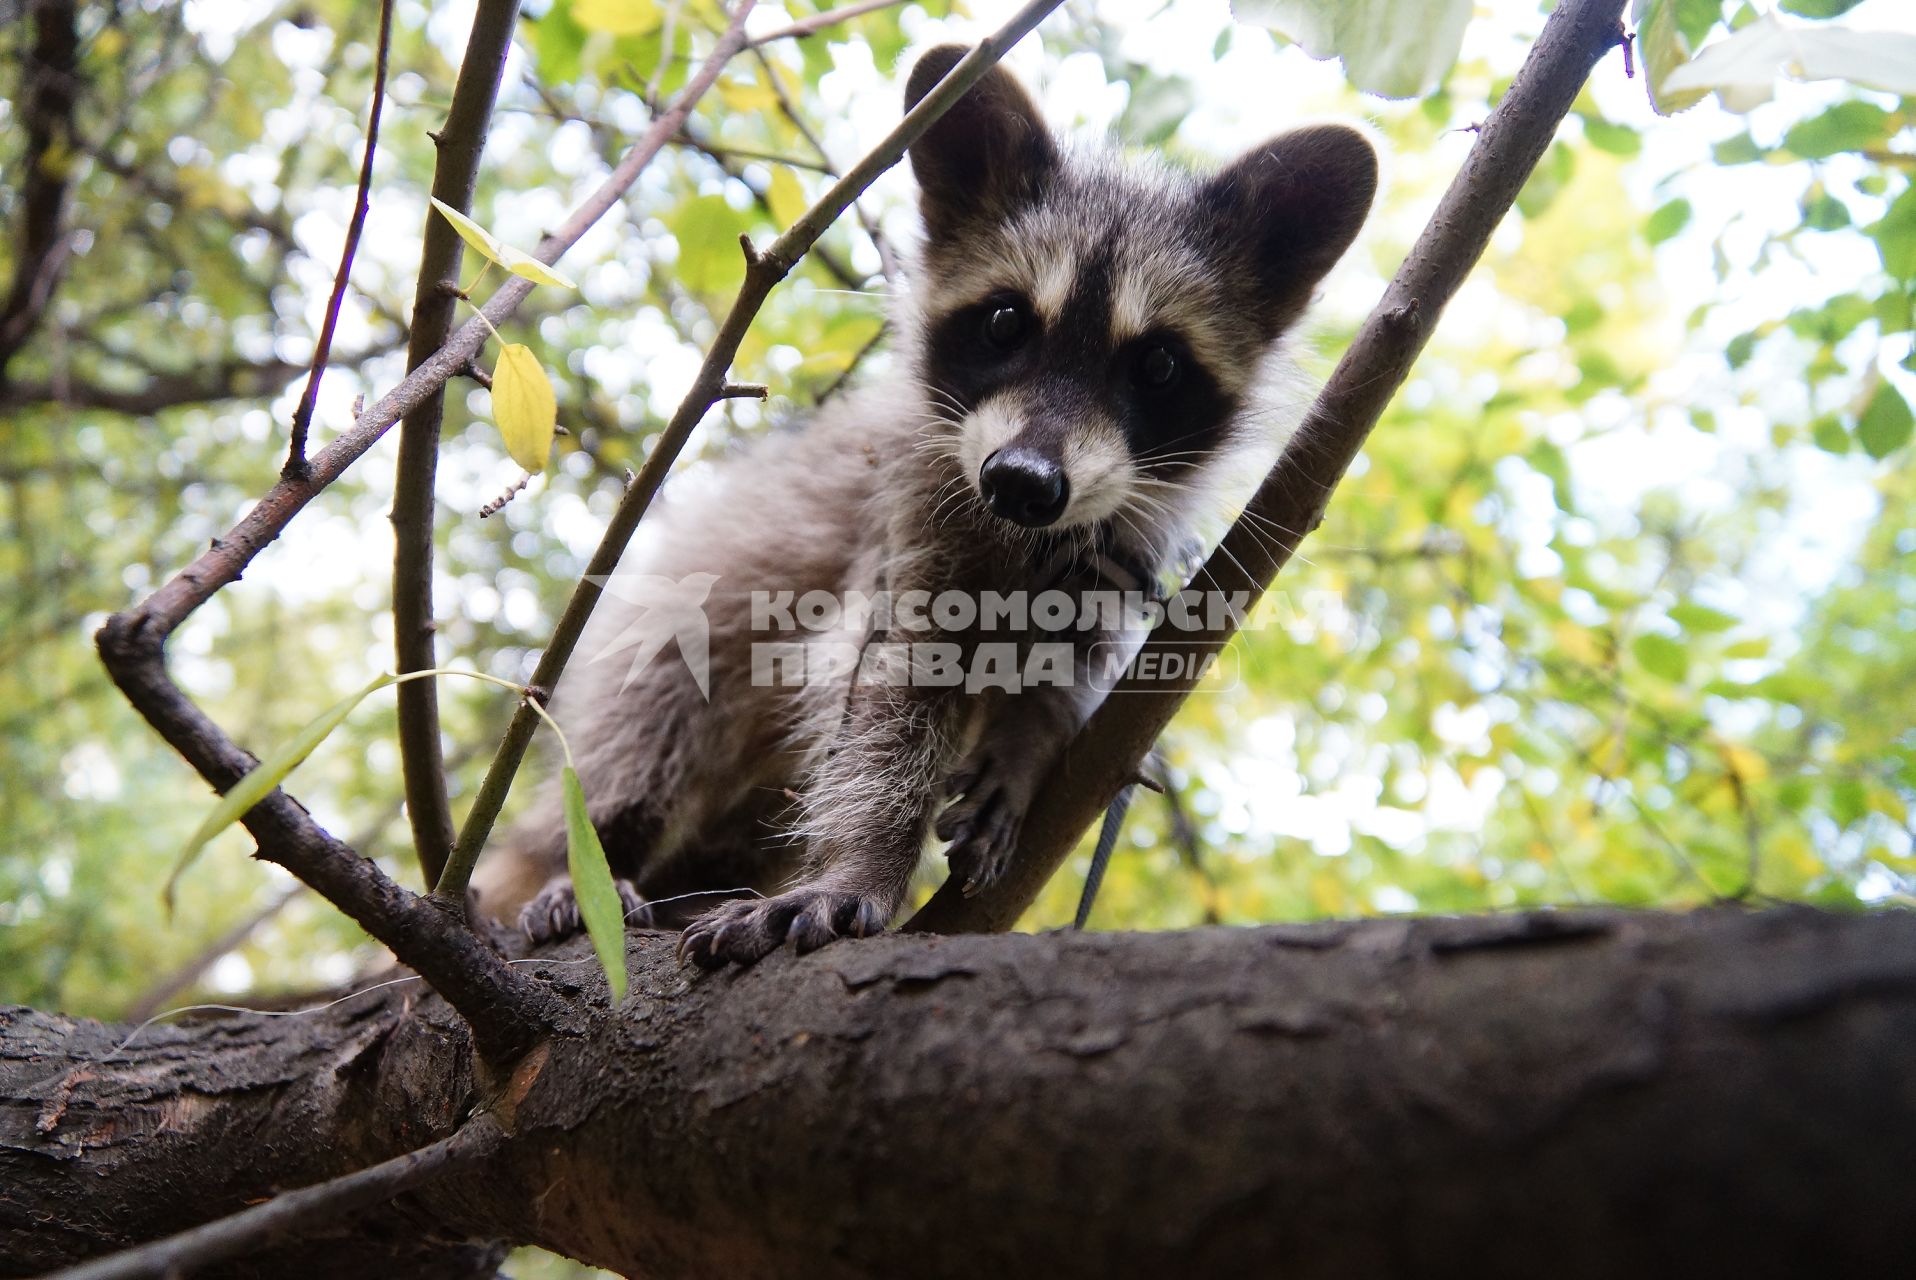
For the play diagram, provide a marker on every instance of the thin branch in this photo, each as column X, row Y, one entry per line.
column 461, row 142
column 286, row 1215
column 763, row 270
column 887, row 265
column 229, row 380
column 303, row 415
column 1105, row 754
column 46, row 97
column 858, row 358
column 507, row 1011
column 728, row 160
column 819, row 21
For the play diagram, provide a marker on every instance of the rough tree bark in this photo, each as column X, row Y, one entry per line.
column 1572, row 1094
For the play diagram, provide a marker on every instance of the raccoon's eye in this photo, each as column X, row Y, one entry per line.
column 1005, row 327
column 1157, row 368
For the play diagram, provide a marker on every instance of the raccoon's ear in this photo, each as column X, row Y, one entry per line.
column 1288, row 208
column 986, row 156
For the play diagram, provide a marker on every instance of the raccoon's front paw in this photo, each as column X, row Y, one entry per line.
column 553, row 912
column 983, row 829
column 746, row 932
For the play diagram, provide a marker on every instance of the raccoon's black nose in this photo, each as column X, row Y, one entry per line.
column 1024, row 486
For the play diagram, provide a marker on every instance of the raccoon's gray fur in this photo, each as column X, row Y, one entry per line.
column 1082, row 345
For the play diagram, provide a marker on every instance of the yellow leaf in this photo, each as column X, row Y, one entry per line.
column 471, row 232
column 524, row 406
column 1745, row 763
column 747, row 97
column 617, row 17
column 524, row 264
column 496, row 250
column 786, row 197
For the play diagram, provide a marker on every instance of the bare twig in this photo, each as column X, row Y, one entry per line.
column 819, row 21
column 461, row 141
column 48, row 90
column 1105, row 755
column 763, row 270
column 499, row 503
column 506, row 1011
column 303, row 415
column 728, row 159
column 205, row 384
column 858, row 358
column 887, row 264
column 287, row 1214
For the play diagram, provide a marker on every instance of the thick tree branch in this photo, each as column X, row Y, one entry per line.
column 1291, row 501
column 295, row 1212
column 362, row 198
column 49, row 87
column 1564, row 1093
column 763, row 270
column 461, row 141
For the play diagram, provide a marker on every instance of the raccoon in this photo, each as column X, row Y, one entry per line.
column 1084, row 346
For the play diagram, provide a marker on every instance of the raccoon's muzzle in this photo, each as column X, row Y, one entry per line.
column 1024, row 486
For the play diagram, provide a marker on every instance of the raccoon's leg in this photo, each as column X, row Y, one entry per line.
column 641, row 778
column 868, row 811
column 993, row 789
column 553, row 912
column 1024, row 733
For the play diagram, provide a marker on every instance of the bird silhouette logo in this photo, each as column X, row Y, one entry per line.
column 663, row 609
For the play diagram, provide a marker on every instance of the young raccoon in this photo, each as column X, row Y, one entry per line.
column 1083, row 343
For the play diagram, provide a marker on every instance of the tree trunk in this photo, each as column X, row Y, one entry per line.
column 1575, row 1094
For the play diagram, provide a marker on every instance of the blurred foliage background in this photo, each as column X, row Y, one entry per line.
column 1616, row 607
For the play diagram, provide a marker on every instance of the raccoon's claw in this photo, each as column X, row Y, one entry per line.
column 983, row 831
column 744, row 933
column 553, row 912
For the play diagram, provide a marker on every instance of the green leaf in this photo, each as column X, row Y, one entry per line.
column 1818, row 8
column 1741, row 149
column 1395, row 48
column 1664, row 49
column 524, row 406
column 1743, row 69
column 1155, row 109
column 1823, row 211
column 1617, row 139
column 471, row 232
column 1847, row 126
column 618, row 17
column 785, row 197
column 1885, row 425
column 1700, row 617
column 598, row 897
column 1828, row 435
column 496, row 250
column 1667, row 221
column 1694, row 18
column 1662, row 656
column 1895, row 235
column 260, row 781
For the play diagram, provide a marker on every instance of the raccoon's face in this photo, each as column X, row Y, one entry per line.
column 1090, row 330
